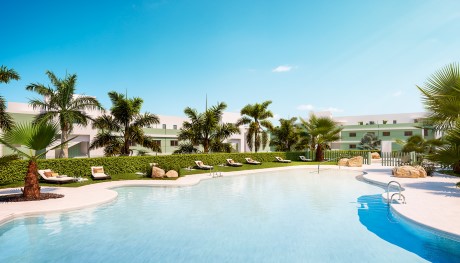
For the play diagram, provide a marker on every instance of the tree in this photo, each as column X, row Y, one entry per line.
column 6, row 122
column 319, row 132
column 370, row 142
column 62, row 104
column 285, row 136
column 441, row 96
column 416, row 143
column 123, row 127
column 256, row 116
column 206, row 128
column 35, row 137
column 449, row 152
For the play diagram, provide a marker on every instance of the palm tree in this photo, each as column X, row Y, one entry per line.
column 319, row 132
column 256, row 116
column 123, row 127
column 370, row 142
column 62, row 103
column 285, row 136
column 6, row 122
column 416, row 143
column 35, row 137
column 449, row 152
column 206, row 128
column 441, row 96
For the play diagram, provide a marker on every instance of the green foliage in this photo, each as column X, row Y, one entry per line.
column 123, row 127
column 256, row 116
column 6, row 122
column 14, row 171
column 370, row 142
column 285, row 136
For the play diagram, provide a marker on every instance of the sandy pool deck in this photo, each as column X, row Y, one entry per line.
column 432, row 202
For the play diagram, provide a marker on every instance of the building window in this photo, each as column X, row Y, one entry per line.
column 415, row 120
column 157, row 142
column 175, row 127
column 360, row 123
column 164, row 126
column 425, row 132
column 384, row 121
column 408, row 133
column 352, row 134
column 394, row 122
column 352, row 146
column 386, row 133
column 371, row 122
column 174, row 143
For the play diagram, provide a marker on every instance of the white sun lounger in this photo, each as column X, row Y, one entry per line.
column 97, row 172
column 251, row 161
column 59, row 179
column 304, row 159
column 230, row 162
column 281, row 160
column 203, row 166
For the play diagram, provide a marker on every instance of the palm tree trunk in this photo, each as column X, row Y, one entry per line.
column 319, row 153
column 31, row 187
column 456, row 168
column 65, row 147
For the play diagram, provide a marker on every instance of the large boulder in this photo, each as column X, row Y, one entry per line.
column 356, row 161
column 408, row 171
column 157, row 172
column 172, row 174
column 343, row 162
column 375, row 155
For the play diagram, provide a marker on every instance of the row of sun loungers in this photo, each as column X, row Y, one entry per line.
column 97, row 173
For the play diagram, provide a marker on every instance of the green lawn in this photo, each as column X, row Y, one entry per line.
column 184, row 172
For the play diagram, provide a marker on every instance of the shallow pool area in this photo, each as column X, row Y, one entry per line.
column 287, row 216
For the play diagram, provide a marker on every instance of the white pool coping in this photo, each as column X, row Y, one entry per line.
column 432, row 202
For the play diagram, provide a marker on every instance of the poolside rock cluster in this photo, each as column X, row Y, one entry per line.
column 157, row 172
column 356, row 161
column 375, row 156
column 408, row 171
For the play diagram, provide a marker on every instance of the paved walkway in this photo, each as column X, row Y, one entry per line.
column 433, row 202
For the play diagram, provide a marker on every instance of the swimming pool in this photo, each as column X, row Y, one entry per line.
column 290, row 216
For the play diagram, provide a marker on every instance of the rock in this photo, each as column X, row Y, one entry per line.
column 356, row 161
column 157, row 172
column 408, row 171
column 375, row 156
column 172, row 174
column 343, row 162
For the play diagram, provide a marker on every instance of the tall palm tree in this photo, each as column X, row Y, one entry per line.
column 123, row 127
column 319, row 133
column 35, row 137
column 6, row 122
column 441, row 96
column 256, row 116
column 61, row 103
column 206, row 128
column 286, row 135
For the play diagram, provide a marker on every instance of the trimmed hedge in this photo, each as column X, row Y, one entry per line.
column 15, row 171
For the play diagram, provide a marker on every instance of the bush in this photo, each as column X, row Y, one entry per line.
column 15, row 171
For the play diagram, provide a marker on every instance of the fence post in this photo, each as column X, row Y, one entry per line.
column 369, row 158
column 413, row 157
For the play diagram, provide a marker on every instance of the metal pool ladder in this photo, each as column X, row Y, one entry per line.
column 389, row 200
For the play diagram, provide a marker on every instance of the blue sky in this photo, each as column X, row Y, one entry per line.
column 352, row 57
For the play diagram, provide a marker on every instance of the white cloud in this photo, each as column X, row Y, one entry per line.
column 305, row 107
column 397, row 93
column 282, row 68
column 332, row 109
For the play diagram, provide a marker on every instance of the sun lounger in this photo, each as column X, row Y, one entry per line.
column 281, row 160
column 251, row 161
column 230, row 162
column 203, row 166
column 304, row 159
column 97, row 172
column 52, row 177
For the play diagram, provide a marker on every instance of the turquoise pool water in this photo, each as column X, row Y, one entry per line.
column 291, row 216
